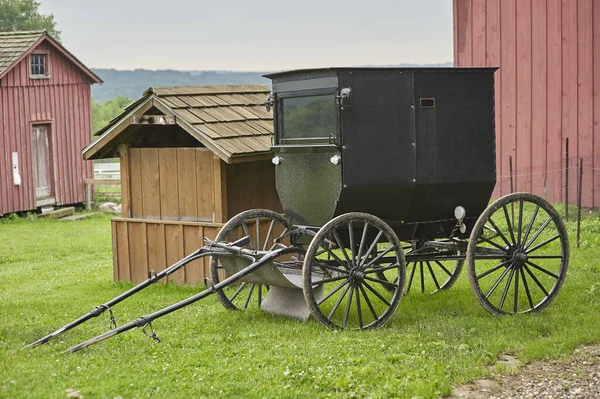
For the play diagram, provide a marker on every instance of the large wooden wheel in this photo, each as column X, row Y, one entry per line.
column 353, row 273
column 264, row 227
column 518, row 255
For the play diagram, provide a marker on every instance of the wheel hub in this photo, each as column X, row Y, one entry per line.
column 357, row 274
column 519, row 258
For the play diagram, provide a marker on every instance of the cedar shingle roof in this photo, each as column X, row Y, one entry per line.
column 231, row 120
column 233, row 116
column 14, row 44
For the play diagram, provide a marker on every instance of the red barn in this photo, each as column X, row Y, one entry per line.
column 45, row 121
column 547, row 88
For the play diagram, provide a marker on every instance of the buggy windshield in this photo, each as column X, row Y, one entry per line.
column 308, row 119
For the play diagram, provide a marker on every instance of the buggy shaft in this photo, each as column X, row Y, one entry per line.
column 146, row 320
column 97, row 311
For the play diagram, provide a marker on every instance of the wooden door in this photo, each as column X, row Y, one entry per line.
column 42, row 162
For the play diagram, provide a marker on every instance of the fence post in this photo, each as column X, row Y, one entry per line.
column 579, row 189
column 510, row 173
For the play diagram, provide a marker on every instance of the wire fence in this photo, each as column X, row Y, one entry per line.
column 571, row 184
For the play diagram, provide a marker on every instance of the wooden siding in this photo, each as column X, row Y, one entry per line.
column 64, row 103
column 169, row 183
column 142, row 245
column 547, row 88
column 251, row 185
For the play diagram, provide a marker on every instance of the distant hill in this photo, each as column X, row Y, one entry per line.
column 132, row 83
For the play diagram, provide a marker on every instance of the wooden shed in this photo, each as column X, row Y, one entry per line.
column 45, row 120
column 191, row 158
column 547, row 88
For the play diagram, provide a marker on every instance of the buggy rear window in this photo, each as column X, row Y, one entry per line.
column 308, row 119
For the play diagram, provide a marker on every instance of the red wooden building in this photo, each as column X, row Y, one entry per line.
column 547, row 88
column 45, row 121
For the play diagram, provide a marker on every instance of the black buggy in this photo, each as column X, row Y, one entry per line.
column 385, row 176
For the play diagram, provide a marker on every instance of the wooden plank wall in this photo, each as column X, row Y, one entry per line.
column 547, row 88
column 64, row 102
column 168, row 183
column 142, row 245
column 251, row 185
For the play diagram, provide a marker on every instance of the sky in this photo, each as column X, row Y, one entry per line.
column 246, row 35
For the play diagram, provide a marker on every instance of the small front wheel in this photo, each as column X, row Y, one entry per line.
column 354, row 272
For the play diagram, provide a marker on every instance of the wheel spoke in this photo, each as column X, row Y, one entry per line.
column 232, row 234
column 520, row 228
column 500, row 247
column 382, row 269
column 237, row 292
column 258, row 232
column 506, row 288
column 498, row 232
column 338, row 241
column 443, row 267
column 337, row 304
column 333, row 255
column 541, row 269
column 247, row 232
column 378, row 257
column 329, row 280
column 412, row 274
column 526, row 288
column 269, row 231
column 351, row 237
column 509, row 224
column 362, row 242
column 348, row 305
column 358, row 309
column 536, row 280
column 536, row 235
column 331, row 293
column 373, row 246
column 515, row 306
column 422, row 277
column 498, row 282
column 368, row 301
column 548, row 241
column 537, row 207
column 432, row 275
column 493, row 269
column 249, row 296
column 377, row 294
column 332, row 268
column 545, row 257
column 382, row 282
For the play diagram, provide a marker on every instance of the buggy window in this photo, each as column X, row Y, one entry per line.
column 308, row 119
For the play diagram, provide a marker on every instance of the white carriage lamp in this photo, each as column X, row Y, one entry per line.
column 277, row 160
column 335, row 159
column 460, row 213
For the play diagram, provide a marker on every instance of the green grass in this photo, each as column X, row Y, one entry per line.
column 52, row 272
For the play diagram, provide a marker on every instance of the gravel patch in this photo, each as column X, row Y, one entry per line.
column 574, row 378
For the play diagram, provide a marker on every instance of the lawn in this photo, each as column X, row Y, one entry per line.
column 51, row 272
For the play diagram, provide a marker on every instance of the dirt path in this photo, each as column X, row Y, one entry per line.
column 577, row 377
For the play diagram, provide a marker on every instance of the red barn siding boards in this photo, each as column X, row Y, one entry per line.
column 523, row 138
column 62, row 102
column 585, row 95
column 539, row 76
column 596, row 109
column 547, row 89
column 508, row 59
